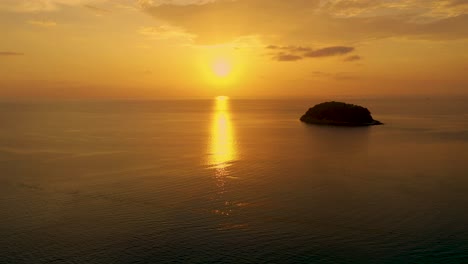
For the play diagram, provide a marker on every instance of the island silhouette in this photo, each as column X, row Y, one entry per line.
column 339, row 114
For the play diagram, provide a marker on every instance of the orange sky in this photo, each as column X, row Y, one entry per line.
column 241, row 48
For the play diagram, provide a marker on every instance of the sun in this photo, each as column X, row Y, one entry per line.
column 221, row 67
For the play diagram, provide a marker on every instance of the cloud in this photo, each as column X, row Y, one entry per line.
column 343, row 76
column 252, row 41
column 146, row 72
column 10, row 53
column 347, row 8
column 427, row 9
column 153, row 3
column 286, row 57
column 338, row 76
column 292, row 48
column 289, row 48
column 457, row 3
column 97, row 10
column 167, row 32
column 329, row 51
column 295, row 53
column 327, row 21
column 222, row 21
column 352, row 58
column 43, row 23
column 129, row 7
column 31, row 6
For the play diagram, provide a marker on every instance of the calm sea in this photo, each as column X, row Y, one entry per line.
column 232, row 181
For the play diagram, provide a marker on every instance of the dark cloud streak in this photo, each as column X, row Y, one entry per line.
column 338, row 76
column 287, row 57
column 353, row 58
column 329, row 51
column 457, row 3
column 295, row 53
column 10, row 53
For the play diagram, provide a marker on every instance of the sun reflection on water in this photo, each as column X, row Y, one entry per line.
column 223, row 152
column 222, row 145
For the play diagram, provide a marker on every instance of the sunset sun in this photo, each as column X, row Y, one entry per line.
column 221, row 67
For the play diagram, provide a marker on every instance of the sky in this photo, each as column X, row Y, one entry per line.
column 150, row 49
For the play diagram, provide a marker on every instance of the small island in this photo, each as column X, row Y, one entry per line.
column 339, row 114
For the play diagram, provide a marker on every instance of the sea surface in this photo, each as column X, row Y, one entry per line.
column 232, row 181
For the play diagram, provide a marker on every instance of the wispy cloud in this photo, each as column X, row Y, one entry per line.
column 166, row 32
column 297, row 21
column 353, row 58
column 10, row 53
column 419, row 9
column 96, row 10
column 338, row 76
column 33, row 6
column 43, row 23
column 457, row 3
column 154, row 3
column 130, row 7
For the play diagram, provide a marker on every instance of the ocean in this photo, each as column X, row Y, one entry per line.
column 232, row 181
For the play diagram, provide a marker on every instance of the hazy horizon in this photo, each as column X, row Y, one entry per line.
column 311, row 98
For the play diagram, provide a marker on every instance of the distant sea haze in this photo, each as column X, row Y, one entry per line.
column 232, row 181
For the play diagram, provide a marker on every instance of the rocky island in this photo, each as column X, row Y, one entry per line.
column 339, row 114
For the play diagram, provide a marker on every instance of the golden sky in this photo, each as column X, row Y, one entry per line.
column 241, row 48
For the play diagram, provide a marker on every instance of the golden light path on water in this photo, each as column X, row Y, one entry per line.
column 223, row 152
column 222, row 145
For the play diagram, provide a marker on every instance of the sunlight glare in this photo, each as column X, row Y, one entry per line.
column 221, row 67
column 222, row 147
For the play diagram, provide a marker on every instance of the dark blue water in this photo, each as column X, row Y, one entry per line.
column 232, row 181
